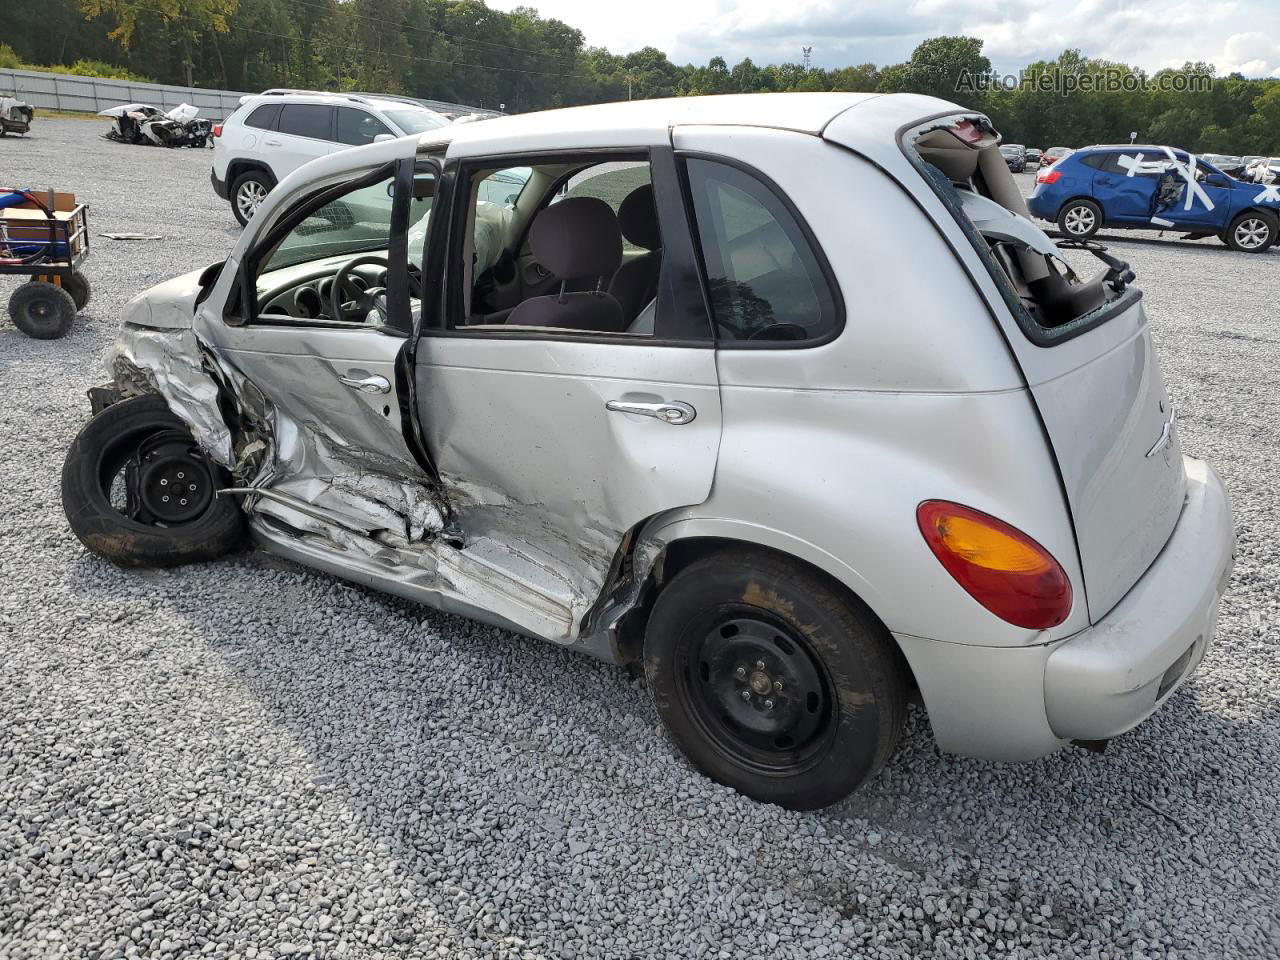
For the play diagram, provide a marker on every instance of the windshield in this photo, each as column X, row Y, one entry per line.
column 412, row 120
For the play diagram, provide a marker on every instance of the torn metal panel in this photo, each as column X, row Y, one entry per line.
column 171, row 362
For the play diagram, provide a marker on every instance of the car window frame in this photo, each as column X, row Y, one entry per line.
column 333, row 121
column 810, row 238
column 242, row 308
column 680, row 286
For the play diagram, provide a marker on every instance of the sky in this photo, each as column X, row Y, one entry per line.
column 1241, row 35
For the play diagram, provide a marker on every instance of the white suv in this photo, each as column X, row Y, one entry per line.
column 277, row 131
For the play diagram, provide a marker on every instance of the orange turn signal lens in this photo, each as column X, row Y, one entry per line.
column 998, row 565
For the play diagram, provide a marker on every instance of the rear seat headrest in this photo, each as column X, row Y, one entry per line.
column 577, row 238
column 638, row 218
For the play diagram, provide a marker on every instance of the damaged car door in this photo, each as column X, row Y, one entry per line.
column 568, row 418
column 325, row 305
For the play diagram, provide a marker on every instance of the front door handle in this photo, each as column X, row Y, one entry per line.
column 674, row 412
column 374, row 384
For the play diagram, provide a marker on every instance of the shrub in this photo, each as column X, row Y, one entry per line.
column 8, row 59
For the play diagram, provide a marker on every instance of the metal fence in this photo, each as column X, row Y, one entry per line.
column 62, row 91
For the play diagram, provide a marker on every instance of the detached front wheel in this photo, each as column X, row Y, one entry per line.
column 772, row 680
column 137, row 490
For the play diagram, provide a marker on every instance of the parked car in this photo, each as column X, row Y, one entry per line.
column 277, row 131
column 1053, row 155
column 1033, row 157
column 141, row 123
column 1015, row 156
column 1154, row 188
column 15, row 116
column 643, row 411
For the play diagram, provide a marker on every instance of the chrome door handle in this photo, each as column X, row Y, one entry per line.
column 674, row 412
column 374, row 384
column 271, row 142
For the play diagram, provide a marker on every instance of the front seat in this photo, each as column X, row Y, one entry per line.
column 575, row 239
column 636, row 282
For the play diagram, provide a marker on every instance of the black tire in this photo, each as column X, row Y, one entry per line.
column 113, row 444
column 1253, row 231
column 77, row 284
column 1080, row 219
column 821, row 716
column 251, row 183
column 42, row 310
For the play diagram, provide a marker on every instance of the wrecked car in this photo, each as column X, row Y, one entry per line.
column 798, row 457
column 1155, row 188
column 15, row 116
column 141, row 123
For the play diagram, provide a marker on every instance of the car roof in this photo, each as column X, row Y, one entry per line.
column 648, row 121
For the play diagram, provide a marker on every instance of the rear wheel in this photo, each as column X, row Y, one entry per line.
column 137, row 490
column 772, row 680
column 1080, row 219
column 247, row 193
column 1251, row 232
column 42, row 310
column 77, row 284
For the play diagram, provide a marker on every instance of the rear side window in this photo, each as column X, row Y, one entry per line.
column 1096, row 160
column 312, row 120
column 763, row 277
column 264, row 118
column 357, row 127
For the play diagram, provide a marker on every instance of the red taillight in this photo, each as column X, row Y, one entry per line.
column 217, row 129
column 1048, row 176
column 998, row 565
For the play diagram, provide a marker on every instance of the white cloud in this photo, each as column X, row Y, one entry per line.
column 1148, row 33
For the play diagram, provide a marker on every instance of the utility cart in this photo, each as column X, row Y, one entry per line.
column 44, row 237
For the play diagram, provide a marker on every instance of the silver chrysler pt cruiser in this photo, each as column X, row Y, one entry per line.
column 781, row 397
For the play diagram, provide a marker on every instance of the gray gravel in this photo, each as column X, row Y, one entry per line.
column 247, row 759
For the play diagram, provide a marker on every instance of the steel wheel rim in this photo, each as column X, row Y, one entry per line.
column 249, row 197
column 1251, row 233
column 1079, row 220
column 142, row 468
column 758, row 692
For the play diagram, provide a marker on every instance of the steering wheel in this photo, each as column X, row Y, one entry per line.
column 372, row 298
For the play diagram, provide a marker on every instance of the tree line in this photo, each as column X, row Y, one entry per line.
column 465, row 52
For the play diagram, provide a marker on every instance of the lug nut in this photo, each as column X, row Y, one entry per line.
column 181, row 474
column 746, row 694
column 183, row 501
column 768, row 704
column 777, row 685
column 759, row 664
column 741, row 671
column 164, row 482
column 164, row 499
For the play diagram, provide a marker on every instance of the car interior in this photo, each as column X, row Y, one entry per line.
column 577, row 248
column 963, row 157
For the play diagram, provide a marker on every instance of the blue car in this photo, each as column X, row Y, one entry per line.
column 1155, row 188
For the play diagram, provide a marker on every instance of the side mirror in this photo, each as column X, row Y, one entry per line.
column 383, row 137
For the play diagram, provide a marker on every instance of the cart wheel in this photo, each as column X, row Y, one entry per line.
column 77, row 284
column 42, row 310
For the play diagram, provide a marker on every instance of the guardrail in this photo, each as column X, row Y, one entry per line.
column 65, row 91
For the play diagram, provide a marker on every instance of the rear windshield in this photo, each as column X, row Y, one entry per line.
column 962, row 160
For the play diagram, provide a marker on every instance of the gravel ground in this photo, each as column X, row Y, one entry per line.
column 245, row 758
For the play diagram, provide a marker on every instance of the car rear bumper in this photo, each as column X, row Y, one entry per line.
column 1003, row 703
column 219, row 186
column 1114, row 675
